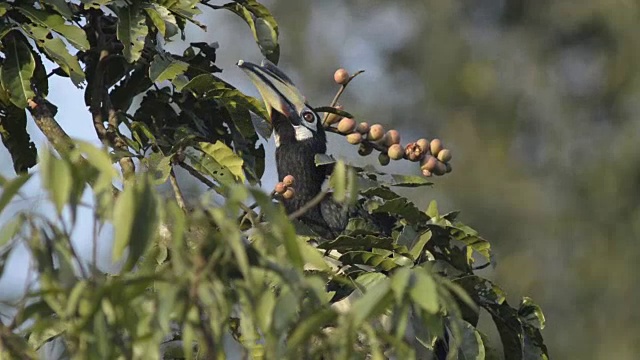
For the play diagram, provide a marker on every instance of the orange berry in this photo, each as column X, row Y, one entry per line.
column 346, row 125
column 395, row 152
column 288, row 180
column 392, row 137
column 376, row 132
column 289, row 194
column 354, row 138
column 363, row 128
column 334, row 118
column 444, row 155
column 424, row 145
column 435, row 146
column 280, row 188
column 341, row 76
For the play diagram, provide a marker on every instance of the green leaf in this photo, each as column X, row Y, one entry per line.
column 100, row 160
column 308, row 327
column 339, row 182
column 4, row 7
column 471, row 345
column 367, row 258
column 132, row 31
column 39, row 338
column 419, row 245
column 356, row 243
column 470, row 238
column 56, row 178
column 13, row 131
column 163, row 20
column 61, row 7
column 224, row 162
column 399, row 206
column 324, row 159
column 11, row 188
column 424, row 291
column 134, row 221
column 56, row 49
column 54, row 22
column 531, row 313
column 163, row 67
column 17, row 70
column 262, row 24
column 158, row 167
column 372, row 303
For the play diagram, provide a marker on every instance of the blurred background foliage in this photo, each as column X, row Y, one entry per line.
column 537, row 99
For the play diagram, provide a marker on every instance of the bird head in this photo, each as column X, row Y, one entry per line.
column 292, row 119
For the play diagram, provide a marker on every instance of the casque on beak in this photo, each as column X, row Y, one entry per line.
column 277, row 90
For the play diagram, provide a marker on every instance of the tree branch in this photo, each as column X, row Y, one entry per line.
column 176, row 190
column 334, row 102
column 43, row 113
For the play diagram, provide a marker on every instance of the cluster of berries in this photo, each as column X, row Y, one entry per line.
column 284, row 188
column 433, row 157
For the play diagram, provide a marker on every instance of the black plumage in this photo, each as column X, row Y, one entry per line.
column 300, row 136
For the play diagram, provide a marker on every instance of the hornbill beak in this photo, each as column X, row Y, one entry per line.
column 277, row 90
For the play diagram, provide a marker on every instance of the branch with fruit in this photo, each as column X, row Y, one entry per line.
column 434, row 159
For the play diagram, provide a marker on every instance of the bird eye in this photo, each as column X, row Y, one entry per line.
column 308, row 116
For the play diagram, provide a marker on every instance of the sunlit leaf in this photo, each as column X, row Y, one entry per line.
column 226, row 161
column 11, row 188
column 56, row 49
column 165, row 68
column 56, row 178
column 134, row 219
column 17, row 70
column 54, row 22
column 132, row 31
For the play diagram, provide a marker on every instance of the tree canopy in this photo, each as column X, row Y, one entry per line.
column 232, row 273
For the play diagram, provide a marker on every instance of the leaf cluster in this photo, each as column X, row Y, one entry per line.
column 194, row 278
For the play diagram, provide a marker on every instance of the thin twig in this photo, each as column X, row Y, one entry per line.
column 203, row 179
column 176, row 190
column 310, row 205
column 334, row 102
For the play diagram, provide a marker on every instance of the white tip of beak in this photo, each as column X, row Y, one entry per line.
column 240, row 62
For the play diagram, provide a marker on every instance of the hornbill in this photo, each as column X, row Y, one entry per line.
column 299, row 136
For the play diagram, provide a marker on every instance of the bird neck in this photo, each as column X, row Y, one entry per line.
column 298, row 159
